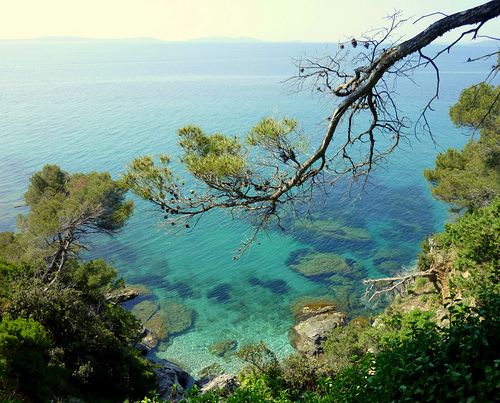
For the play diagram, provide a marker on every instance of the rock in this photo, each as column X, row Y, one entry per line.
column 169, row 374
column 336, row 234
column 209, row 373
column 149, row 341
column 311, row 333
column 321, row 266
column 221, row 293
column 443, row 317
column 316, row 311
column 162, row 321
column 220, row 348
column 276, row 286
column 120, row 295
column 144, row 310
column 225, row 383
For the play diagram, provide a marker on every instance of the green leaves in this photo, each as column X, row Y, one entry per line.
column 477, row 106
column 476, row 239
column 149, row 177
column 470, row 178
column 211, row 157
column 64, row 209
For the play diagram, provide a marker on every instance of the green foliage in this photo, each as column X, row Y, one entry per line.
column 470, row 178
column 10, row 248
column 356, row 339
column 280, row 137
column 60, row 202
column 211, row 157
column 475, row 238
column 476, row 108
column 260, row 357
column 90, row 339
column 150, row 178
column 24, row 350
column 424, row 258
column 458, row 363
column 64, row 209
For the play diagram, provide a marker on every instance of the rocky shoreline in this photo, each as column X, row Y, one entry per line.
column 163, row 321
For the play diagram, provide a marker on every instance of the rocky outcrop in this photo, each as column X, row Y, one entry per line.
column 120, row 295
column 172, row 380
column 225, row 384
column 310, row 333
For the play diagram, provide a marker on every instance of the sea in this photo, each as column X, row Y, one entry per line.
column 94, row 105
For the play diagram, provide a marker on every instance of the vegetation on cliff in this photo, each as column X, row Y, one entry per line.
column 59, row 334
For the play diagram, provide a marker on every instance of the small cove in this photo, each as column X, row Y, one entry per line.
column 94, row 107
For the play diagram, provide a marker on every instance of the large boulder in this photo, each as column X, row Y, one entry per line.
column 121, row 295
column 169, row 374
column 225, row 384
column 312, row 332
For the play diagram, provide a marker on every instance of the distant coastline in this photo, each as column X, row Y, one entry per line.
column 78, row 39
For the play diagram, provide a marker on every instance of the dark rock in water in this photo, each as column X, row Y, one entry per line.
column 277, row 286
column 149, row 280
column 321, row 267
column 182, row 289
column 162, row 321
column 221, row 293
column 255, row 282
column 296, row 256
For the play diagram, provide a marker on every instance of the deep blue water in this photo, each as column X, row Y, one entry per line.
column 95, row 106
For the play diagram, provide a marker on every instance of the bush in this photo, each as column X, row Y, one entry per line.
column 429, row 363
column 24, row 351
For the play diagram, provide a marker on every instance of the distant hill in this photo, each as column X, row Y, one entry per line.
column 225, row 39
column 78, row 39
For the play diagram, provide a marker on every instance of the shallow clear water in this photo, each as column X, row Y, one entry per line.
column 94, row 106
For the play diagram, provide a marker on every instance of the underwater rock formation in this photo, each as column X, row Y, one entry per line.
column 163, row 320
column 221, row 293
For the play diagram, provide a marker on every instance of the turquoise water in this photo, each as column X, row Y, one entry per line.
column 95, row 106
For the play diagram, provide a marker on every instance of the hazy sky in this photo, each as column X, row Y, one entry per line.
column 174, row 20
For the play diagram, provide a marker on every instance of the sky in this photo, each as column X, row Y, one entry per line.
column 179, row 20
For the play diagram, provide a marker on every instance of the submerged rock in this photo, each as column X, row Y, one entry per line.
column 276, row 286
column 209, row 373
column 321, row 266
column 221, row 348
column 333, row 234
column 162, row 320
column 221, row 293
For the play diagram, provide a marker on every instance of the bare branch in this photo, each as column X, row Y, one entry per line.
column 264, row 175
column 393, row 285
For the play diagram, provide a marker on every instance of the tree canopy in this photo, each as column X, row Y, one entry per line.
column 64, row 210
column 60, row 335
column 470, row 178
column 271, row 168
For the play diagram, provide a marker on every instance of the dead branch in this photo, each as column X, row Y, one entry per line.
column 394, row 285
